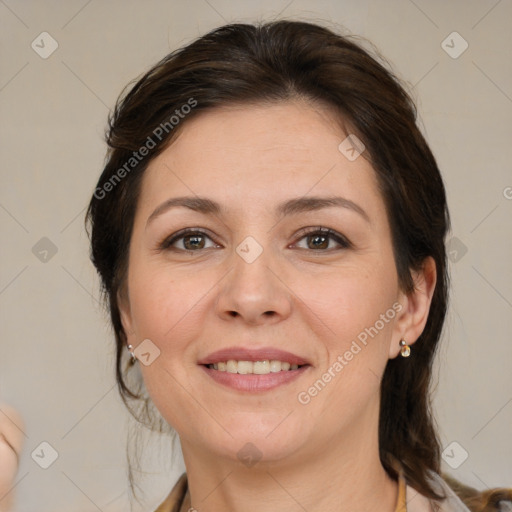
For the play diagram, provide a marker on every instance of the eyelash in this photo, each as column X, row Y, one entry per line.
column 167, row 243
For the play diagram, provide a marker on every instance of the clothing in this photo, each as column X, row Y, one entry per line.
column 409, row 500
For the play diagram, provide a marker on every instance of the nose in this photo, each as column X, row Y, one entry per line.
column 254, row 292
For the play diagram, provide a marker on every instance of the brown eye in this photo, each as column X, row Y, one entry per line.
column 187, row 240
column 192, row 242
column 319, row 239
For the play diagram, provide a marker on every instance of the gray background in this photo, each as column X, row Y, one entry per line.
column 56, row 359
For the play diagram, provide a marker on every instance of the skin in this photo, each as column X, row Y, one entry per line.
column 11, row 442
column 319, row 456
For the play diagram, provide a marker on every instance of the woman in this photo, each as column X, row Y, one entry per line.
column 269, row 231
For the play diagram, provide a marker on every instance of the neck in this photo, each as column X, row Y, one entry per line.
column 345, row 476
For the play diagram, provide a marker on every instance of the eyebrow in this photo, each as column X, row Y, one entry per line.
column 289, row 207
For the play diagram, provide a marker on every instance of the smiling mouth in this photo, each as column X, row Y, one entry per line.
column 254, row 367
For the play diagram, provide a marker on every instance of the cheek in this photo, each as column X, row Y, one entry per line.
column 163, row 304
column 347, row 384
column 167, row 309
column 358, row 309
column 349, row 301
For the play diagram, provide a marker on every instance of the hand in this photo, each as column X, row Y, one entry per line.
column 11, row 441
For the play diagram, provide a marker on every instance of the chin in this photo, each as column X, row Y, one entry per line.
column 250, row 444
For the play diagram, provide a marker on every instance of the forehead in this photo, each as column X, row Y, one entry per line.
column 294, row 127
column 260, row 154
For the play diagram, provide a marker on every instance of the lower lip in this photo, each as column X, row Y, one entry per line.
column 253, row 382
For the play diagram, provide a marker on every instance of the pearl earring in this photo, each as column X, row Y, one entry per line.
column 133, row 359
column 405, row 350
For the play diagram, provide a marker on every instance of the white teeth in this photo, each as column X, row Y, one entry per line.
column 231, row 366
column 245, row 367
column 275, row 366
column 261, row 367
column 256, row 367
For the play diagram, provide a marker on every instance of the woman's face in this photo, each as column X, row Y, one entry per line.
column 259, row 276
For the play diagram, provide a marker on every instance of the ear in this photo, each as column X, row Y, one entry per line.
column 413, row 316
column 123, row 303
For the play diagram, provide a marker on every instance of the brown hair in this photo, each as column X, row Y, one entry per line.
column 273, row 62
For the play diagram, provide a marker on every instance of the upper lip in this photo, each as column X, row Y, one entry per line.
column 251, row 354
